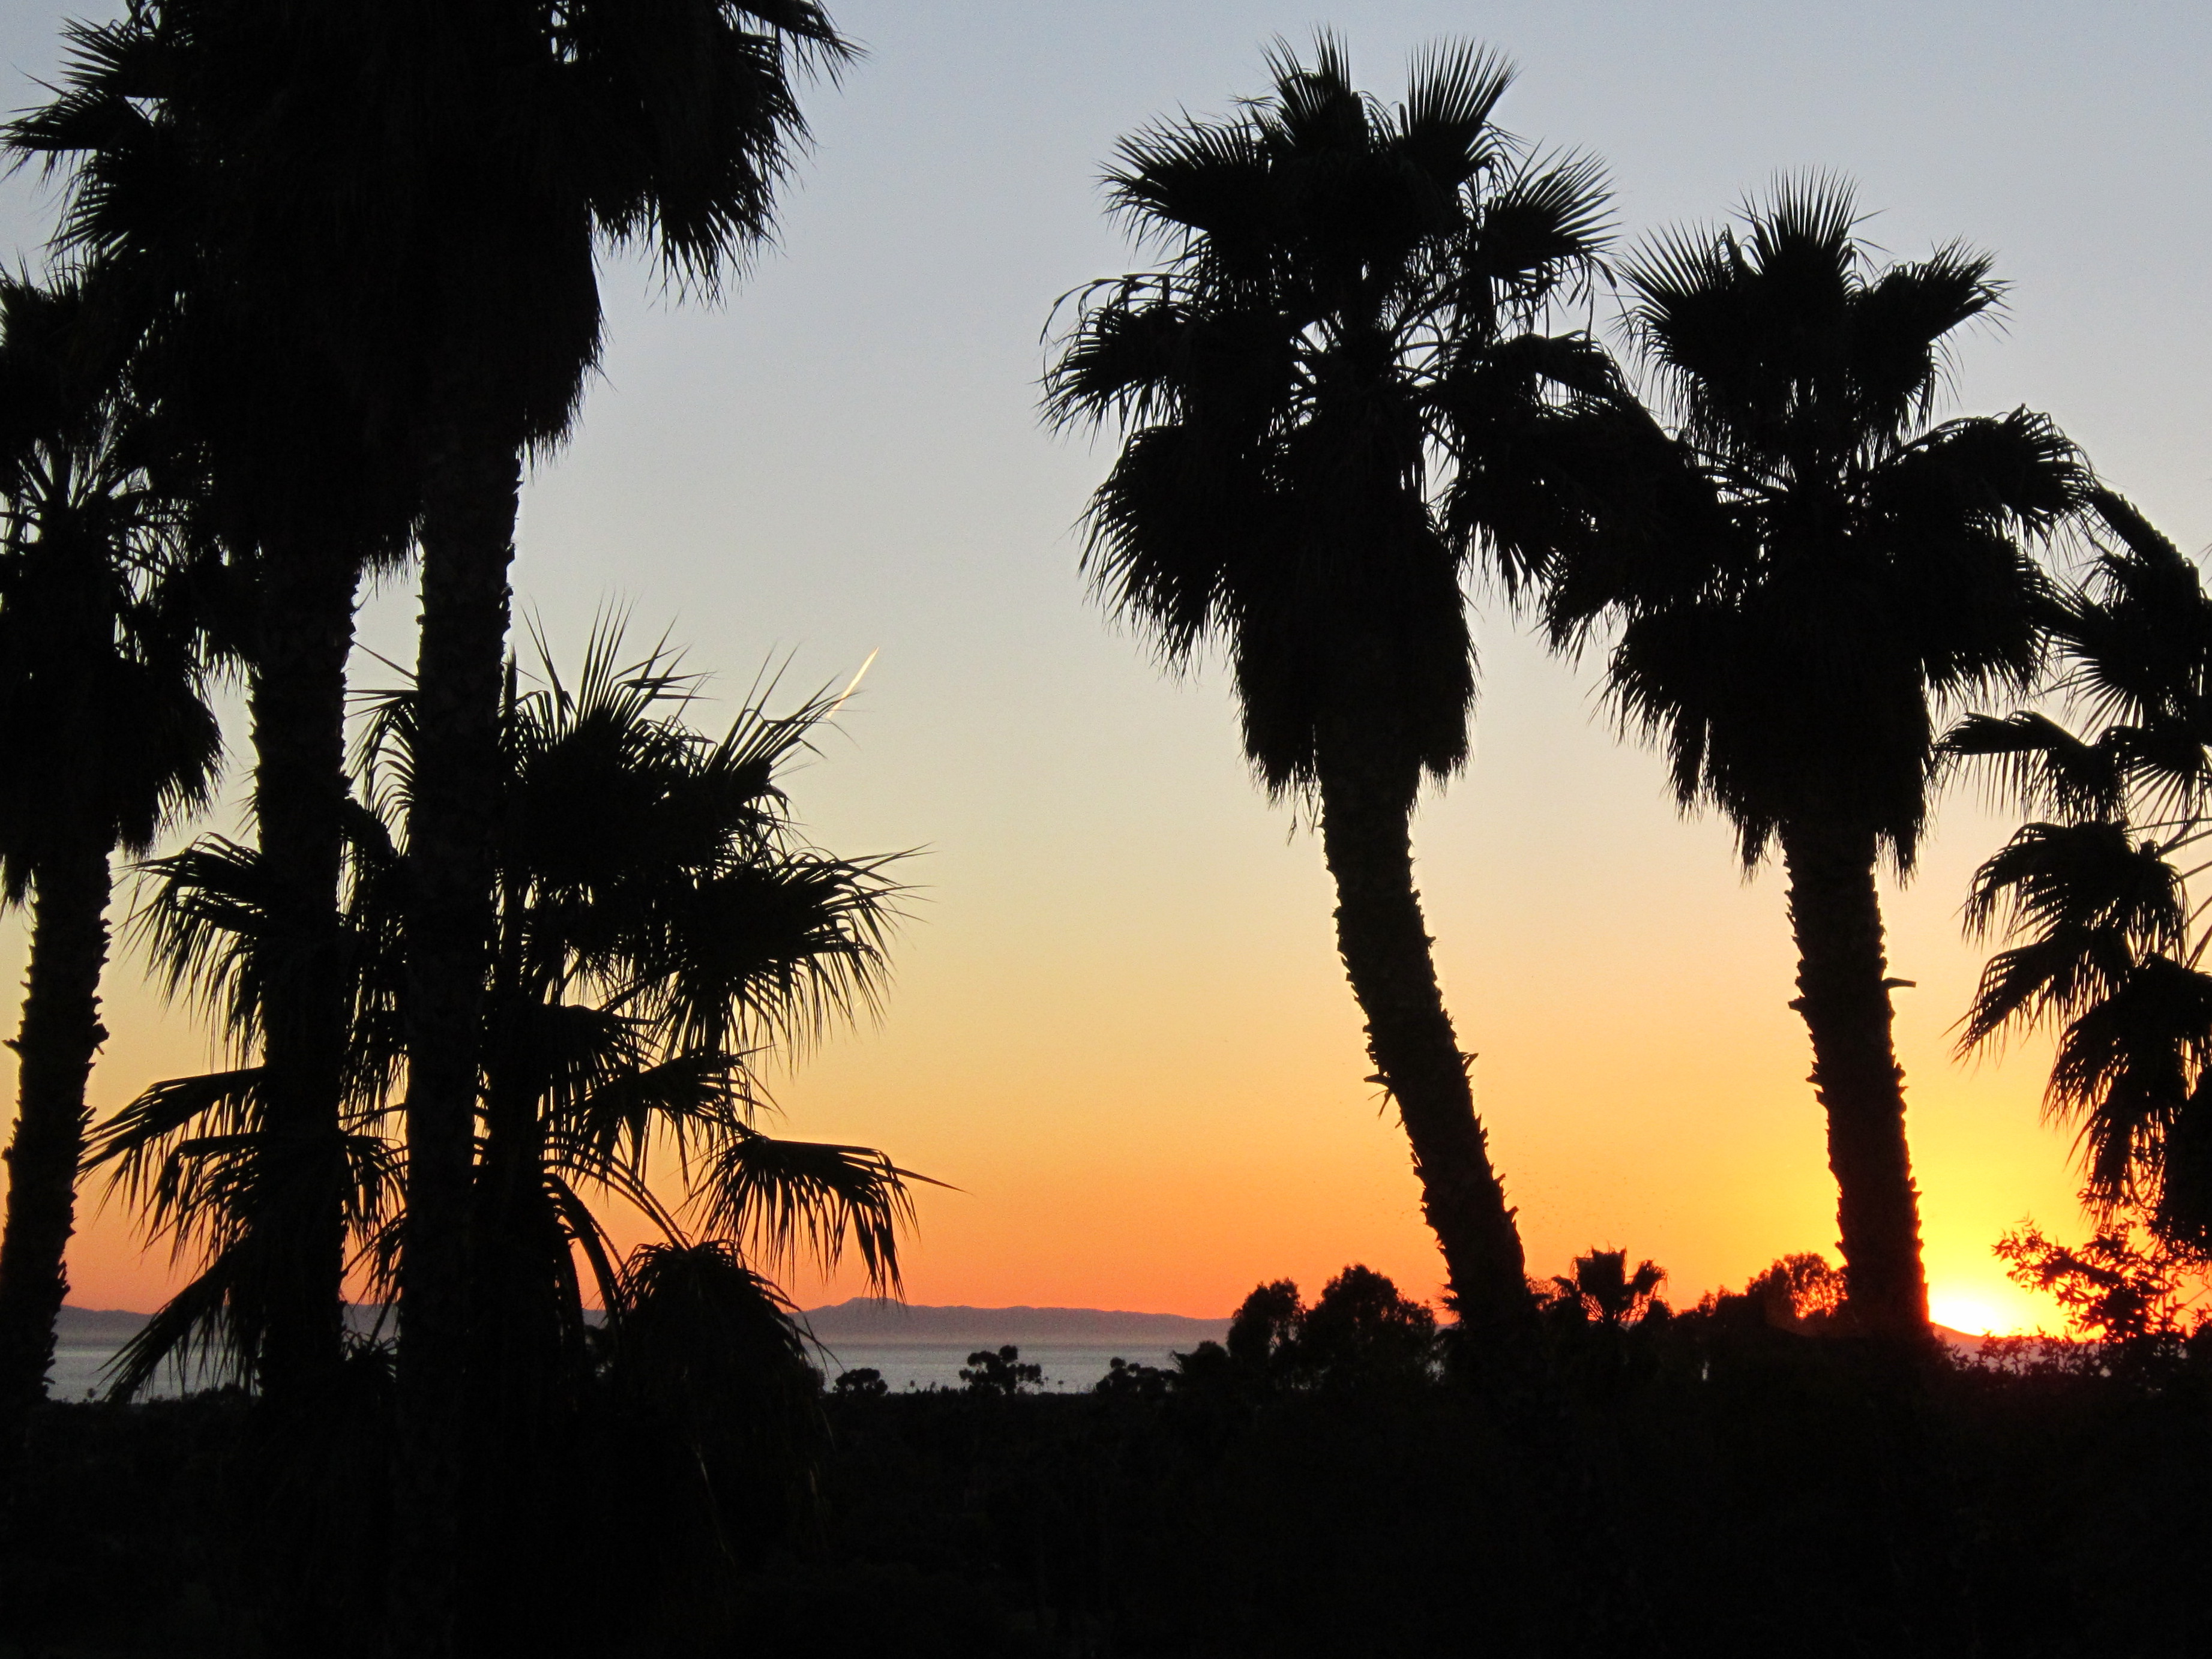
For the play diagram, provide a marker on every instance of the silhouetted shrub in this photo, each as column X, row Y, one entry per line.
column 1264, row 1333
column 2112, row 1289
column 1802, row 1292
column 1000, row 1373
column 1361, row 1330
column 1146, row 1382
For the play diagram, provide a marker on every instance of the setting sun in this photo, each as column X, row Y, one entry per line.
column 1977, row 1312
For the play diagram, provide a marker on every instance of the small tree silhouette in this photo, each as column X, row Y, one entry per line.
column 1362, row 1327
column 1803, row 1291
column 1138, row 1381
column 1265, row 1332
column 1602, row 1290
column 1001, row 1373
column 863, row 1383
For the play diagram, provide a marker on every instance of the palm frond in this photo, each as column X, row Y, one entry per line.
column 783, row 1199
column 2127, row 1068
column 1545, row 228
column 192, row 1333
column 2094, row 906
column 210, row 928
column 2040, row 763
column 1452, row 89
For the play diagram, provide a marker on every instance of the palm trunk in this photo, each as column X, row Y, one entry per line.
column 468, row 542
column 298, row 799
column 1844, row 994
column 1366, row 837
column 60, row 1034
column 516, row 1287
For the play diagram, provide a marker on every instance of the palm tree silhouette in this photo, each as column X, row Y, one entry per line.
column 1604, row 1290
column 206, row 1161
column 1334, row 400
column 662, row 927
column 1829, row 568
column 526, row 139
column 201, row 189
column 103, row 738
column 442, row 176
column 2107, row 943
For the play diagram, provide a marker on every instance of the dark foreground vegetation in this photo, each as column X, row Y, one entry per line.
column 1740, row 1483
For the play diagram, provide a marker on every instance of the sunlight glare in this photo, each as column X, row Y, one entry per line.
column 1963, row 1311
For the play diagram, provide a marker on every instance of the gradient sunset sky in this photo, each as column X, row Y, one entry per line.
column 1118, row 1025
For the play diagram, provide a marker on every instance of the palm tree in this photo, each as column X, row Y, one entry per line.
column 1827, row 571
column 2107, row 944
column 1602, row 1288
column 104, row 740
column 1333, row 400
column 429, row 183
column 659, row 926
column 206, row 1161
column 662, row 928
column 508, row 145
column 203, row 202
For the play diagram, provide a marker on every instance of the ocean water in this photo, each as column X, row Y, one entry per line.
column 1068, row 1367
column 78, row 1369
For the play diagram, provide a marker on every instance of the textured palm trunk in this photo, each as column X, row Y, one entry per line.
column 468, row 543
column 525, row 1355
column 299, row 798
column 1366, row 837
column 61, row 1032
column 519, row 1296
column 1844, row 996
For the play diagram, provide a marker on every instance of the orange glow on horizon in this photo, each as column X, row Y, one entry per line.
column 1977, row 1311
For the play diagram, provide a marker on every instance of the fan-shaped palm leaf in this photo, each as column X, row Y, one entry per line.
column 785, row 1197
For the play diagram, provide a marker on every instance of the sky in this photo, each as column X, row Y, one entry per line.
column 1118, row 1029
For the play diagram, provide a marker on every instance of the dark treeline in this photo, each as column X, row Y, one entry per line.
column 505, row 946
column 1329, row 1481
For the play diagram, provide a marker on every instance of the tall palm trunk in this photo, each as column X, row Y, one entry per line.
column 516, row 1352
column 306, row 635
column 469, row 502
column 1844, row 994
column 1366, row 837
column 60, row 1034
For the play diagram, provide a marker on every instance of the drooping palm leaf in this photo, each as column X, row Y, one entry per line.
column 784, row 1198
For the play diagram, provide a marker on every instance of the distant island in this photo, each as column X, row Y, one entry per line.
column 86, row 1326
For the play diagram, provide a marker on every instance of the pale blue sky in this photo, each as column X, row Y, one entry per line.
column 1118, row 996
